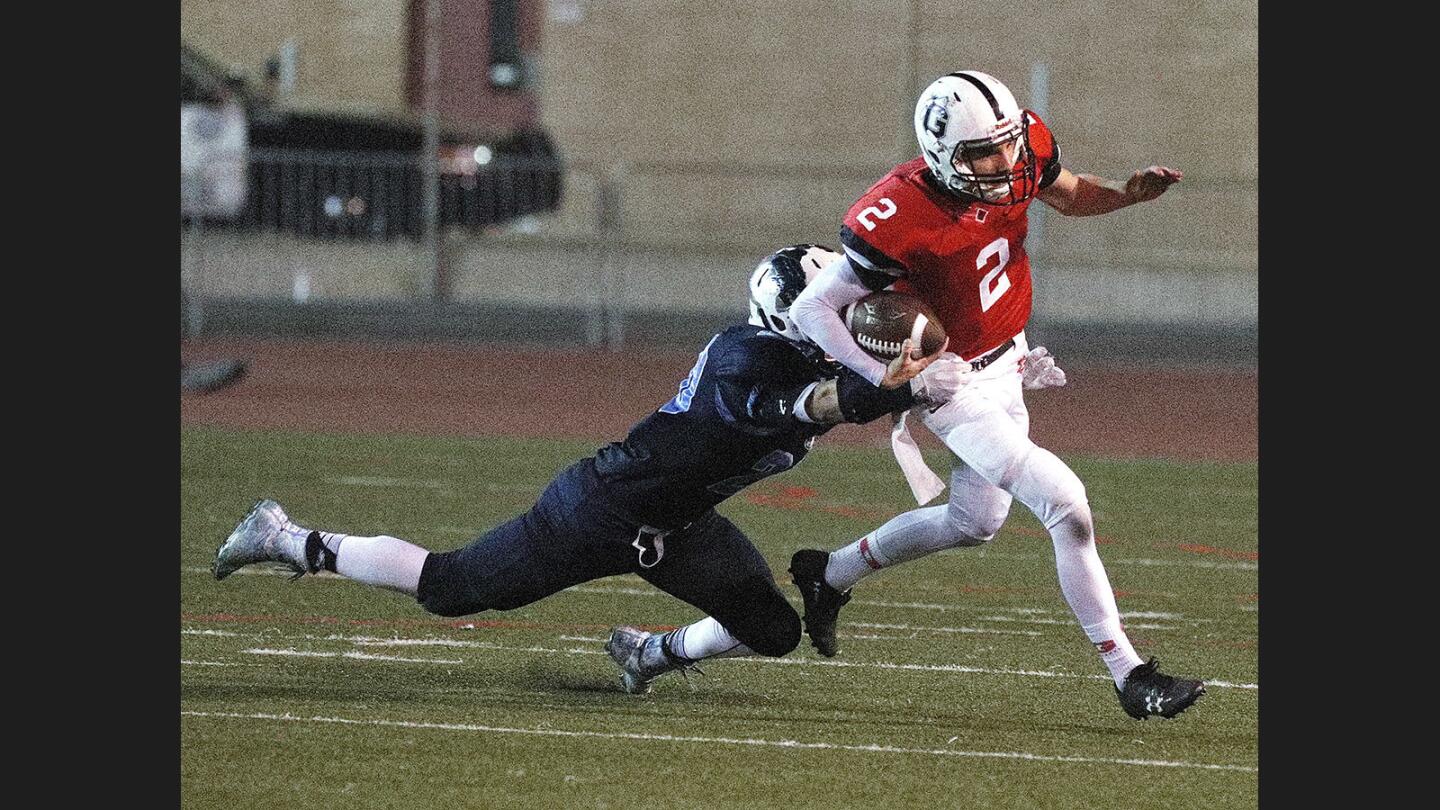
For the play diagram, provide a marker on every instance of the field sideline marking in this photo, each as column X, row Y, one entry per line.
column 490, row 645
column 872, row 748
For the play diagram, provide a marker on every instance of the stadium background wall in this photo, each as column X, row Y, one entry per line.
column 699, row 136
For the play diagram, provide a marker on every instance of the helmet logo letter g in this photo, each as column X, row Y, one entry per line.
column 936, row 116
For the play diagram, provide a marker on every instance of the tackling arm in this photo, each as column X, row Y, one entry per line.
column 850, row 398
column 847, row 398
column 1084, row 195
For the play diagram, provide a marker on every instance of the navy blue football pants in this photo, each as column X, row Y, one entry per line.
column 575, row 534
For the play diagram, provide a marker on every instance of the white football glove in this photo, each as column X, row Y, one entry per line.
column 1041, row 371
column 940, row 380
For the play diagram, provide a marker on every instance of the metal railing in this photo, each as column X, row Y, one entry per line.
column 379, row 195
column 609, row 242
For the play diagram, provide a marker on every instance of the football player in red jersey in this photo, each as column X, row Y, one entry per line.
column 949, row 227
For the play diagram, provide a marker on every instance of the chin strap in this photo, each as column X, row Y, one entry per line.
column 924, row 483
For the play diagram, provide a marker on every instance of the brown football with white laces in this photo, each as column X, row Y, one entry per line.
column 882, row 321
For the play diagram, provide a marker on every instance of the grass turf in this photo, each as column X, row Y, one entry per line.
column 962, row 678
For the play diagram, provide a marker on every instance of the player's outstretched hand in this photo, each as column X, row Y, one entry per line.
column 1149, row 183
column 1040, row 370
column 906, row 365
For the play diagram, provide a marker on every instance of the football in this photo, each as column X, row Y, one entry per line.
column 880, row 323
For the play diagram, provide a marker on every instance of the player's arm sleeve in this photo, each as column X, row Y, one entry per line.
column 817, row 312
column 862, row 401
column 751, row 388
column 849, row 398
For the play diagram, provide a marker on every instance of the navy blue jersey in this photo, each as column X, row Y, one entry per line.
column 731, row 424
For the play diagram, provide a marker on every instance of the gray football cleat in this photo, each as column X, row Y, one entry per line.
column 642, row 658
column 264, row 535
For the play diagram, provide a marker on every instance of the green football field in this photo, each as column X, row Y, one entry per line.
column 962, row 680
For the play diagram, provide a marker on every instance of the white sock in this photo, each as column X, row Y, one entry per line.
column 905, row 537
column 386, row 562
column 706, row 638
column 1088, row 592
column 1115, row 650
column 850, row 564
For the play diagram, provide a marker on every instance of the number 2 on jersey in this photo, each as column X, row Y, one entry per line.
column 880, row 213
column 990, row 289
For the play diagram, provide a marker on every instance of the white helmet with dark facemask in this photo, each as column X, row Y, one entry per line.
column 779, row 279
column 970, row 115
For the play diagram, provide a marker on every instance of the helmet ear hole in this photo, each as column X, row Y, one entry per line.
column 779, row 280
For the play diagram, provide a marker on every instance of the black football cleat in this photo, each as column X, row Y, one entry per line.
column 1149, row 691
column 822, row 602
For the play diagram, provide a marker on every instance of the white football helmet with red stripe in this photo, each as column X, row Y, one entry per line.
column 969, row 115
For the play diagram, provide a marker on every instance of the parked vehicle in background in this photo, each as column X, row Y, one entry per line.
column 247, row 163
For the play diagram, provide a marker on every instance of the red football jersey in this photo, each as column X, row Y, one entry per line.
column 962, row 256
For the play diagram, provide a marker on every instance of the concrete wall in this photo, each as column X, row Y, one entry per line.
column 526, row 271
column 832, row 85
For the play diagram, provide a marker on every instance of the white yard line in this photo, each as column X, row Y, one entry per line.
column 379, row 481
column 1111, row 560
column 981, row 630
column 1128, row 625
column 939, row 606
column 357, row 655
column 266, row 570
column 487, row 645
column 434, row 484
column 1233, row 566
column 792, row 744
column 367, row 641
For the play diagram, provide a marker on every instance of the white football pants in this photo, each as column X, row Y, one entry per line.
column 986, row 426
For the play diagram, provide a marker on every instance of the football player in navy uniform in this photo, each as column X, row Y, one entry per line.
column 752, row 407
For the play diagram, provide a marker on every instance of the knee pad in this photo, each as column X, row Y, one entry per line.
column 976, row 526
column 1049, row 488
column 780, row 636
column 770, row 625
column 438, row 594
column 443, row 606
